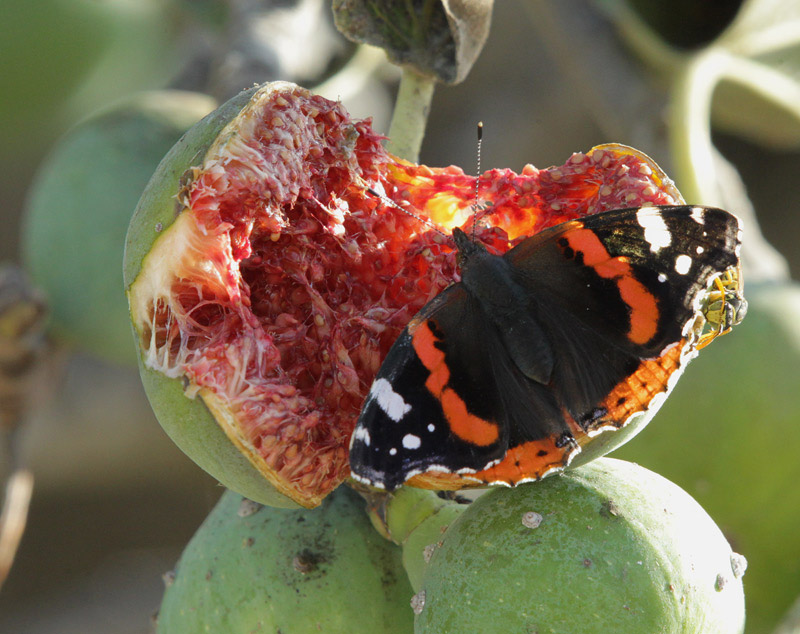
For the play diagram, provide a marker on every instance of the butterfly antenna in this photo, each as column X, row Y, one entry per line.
column 390, row 203
column 477, row 178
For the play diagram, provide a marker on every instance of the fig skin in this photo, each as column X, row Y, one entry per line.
column 615, row 548
column 280, row 570
column 188, row 422
column 79, row 208
column 426, row 537
column 730, row 434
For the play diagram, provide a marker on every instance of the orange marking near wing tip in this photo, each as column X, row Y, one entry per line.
column 641, row 302
column 466, row 426
column 586, row 242
column 424, row 342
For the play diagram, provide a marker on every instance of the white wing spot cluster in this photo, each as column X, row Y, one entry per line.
column 656, row 232
column 388, row 400
column 682, row 264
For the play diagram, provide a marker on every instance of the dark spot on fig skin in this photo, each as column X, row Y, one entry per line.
column 609, row 509
column 454, row 496
column 307, row 561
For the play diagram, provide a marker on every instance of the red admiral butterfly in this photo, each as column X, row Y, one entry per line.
column 519, row 368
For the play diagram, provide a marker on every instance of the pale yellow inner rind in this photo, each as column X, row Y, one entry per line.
column 181, row 254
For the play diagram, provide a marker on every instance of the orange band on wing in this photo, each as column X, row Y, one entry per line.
column 466, row 426
column 641, row 302
column 530, row 460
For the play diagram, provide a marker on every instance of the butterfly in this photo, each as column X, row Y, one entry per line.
column 544, row 355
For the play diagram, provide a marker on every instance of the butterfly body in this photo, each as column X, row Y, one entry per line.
column 509, row 374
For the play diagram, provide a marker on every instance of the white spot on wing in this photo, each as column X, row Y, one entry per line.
column 388, row 400
column 410, row 441
column 655, row 229
column 431, row 427
column 697, row 215
column 662, row 278
column 699, row 250
column 392, row 451
column 682, row 264
column 376, row 483
column 362, row 434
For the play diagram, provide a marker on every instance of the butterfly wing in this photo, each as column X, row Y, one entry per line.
column 620, row 292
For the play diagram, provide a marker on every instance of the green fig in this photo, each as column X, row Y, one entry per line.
column 84, row 194
column 261, row 569
column 606, row 547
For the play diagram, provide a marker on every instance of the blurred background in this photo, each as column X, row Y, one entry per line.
column 114, row 501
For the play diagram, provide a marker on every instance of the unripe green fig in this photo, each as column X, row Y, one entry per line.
column 63, row 58
column 262, row 569
column 79, row 208
column 606, row 547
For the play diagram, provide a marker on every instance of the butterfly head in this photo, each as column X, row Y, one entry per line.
column 467, row 247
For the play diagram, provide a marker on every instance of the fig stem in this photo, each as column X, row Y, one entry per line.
column 697, row 161
column 410, row 116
